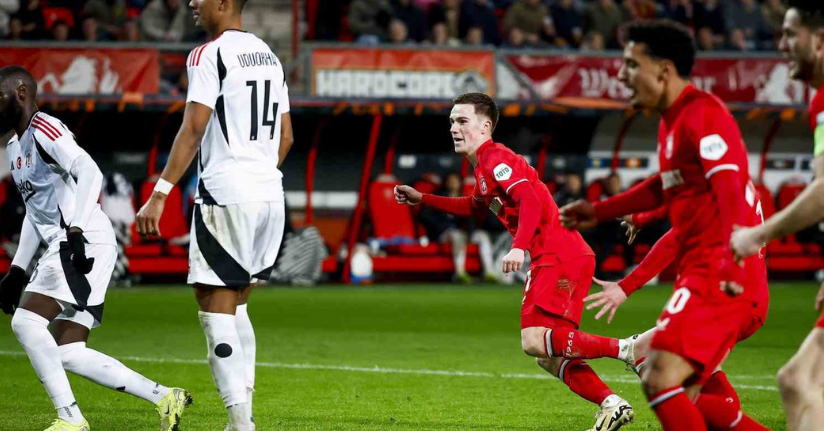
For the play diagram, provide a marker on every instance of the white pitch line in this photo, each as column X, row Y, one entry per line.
column 381, row 370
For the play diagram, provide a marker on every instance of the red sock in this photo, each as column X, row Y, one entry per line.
column 583, row 381
column 574, row 344
column 719, row 385
column 723, row 414
column 675, row 411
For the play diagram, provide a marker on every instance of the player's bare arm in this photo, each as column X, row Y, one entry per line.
column 406, row 195
column 287, row 138
column 184, row 149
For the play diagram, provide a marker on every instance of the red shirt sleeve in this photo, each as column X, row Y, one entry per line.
column 644, row 219
column 529, row 214
column 465, row 206
column 658, row 258
column 506, row 168
column 645, row 196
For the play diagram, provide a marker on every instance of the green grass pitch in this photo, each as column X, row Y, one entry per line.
column 414, row 357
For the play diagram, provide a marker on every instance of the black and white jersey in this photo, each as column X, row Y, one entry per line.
column 41, row 162
column 239, row 77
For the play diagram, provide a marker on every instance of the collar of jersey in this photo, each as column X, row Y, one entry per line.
column 484, row 146
column 682, row 100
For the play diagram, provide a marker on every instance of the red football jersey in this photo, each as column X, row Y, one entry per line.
column 499, row 169
column 697, row 138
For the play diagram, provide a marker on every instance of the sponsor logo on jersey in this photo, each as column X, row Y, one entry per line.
column 671, row 179
column 713, row 147
column 483, row 186
column 502, row 172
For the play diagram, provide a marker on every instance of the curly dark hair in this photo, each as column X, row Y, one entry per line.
column 664, row 39
column 484, row 105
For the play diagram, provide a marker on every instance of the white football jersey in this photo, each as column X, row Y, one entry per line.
column 243, row 82
column 40, row 162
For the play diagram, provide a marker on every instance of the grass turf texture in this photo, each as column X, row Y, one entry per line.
column 307, row 337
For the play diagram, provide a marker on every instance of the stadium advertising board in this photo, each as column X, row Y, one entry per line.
column 85, row 71
column 400, row 73
column 735, row 80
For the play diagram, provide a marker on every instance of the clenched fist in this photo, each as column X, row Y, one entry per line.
column 407, row 195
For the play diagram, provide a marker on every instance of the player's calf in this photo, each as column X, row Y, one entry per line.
column 570, row 343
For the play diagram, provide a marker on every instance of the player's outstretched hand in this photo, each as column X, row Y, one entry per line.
column 77, row 244
column 407, row 195
column 578, row 215
column 632, row 231
column 148, row 218
column 747, row 241
column 819, row 299
column 608, row 299
column 11, row 287
column 513, row 261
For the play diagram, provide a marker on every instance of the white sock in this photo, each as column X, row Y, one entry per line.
column 33, row 334
column 623, row 350
column 611, row 401
column 109, row 372
column 225, row 354
column 247, row 341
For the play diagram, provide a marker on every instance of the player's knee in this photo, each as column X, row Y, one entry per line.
column 655, row 380
column 531, row 343
column 70, row 353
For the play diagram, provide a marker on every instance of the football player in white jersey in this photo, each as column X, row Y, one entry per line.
column 237, row 123
column 60, row 184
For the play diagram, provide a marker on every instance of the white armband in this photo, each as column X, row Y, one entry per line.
column 163, row 186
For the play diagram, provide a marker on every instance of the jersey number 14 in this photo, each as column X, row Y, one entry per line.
column 266, row 121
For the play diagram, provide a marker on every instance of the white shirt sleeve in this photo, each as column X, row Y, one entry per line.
column 89, row 183
column 29, row 241
column 57, row 142
column 204, row 83
column 283, row 107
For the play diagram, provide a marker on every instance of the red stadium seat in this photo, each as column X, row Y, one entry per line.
column 767, row 201
column 788, row 192
column 594, row 190
column 389, row 220
column 172, row 224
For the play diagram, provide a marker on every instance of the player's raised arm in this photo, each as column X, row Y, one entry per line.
column 645, row 196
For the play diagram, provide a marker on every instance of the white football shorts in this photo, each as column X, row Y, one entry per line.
column 80, row 296
column 235, row 245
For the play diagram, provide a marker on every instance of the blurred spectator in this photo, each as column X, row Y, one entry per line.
column 328, row 20
column 30, row 20
column 166, row 21
column 516, row 39
column 593, row 42
column 445, row 228
column 747, row 16
column 710, row 13
column 413, row 17
column 15, row 30
column 567, row 21
column 424, row 5
column 7, row 8
column 447, row 12
column 440, row 36
column 705, row 39
column 604, row 17
column 89, row 29
column 398, row 33
column 475, row 36
column 479, row 14
column 110, row 17
column 774, row 11
column 608, row 234
column 60, row 31
column 738, row 41
column 369, row 19
column 641, row 9
column 531, row 18
column 678, row 10
column 571, row 191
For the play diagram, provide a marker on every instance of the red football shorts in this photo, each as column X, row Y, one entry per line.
column 554, row 295
column 703, row 329
column 820, row 323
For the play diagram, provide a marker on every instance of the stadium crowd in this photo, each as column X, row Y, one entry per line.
column 589, row 25
column 98, row 20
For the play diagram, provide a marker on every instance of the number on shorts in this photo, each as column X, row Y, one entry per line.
column 678, row 301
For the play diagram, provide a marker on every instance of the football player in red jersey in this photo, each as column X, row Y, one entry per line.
column 561, row 263
column 802, row 379
column 704, row 181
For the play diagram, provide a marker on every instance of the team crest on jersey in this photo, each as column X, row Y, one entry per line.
column 668, row 148
column 483, row 186
column 28, row 160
